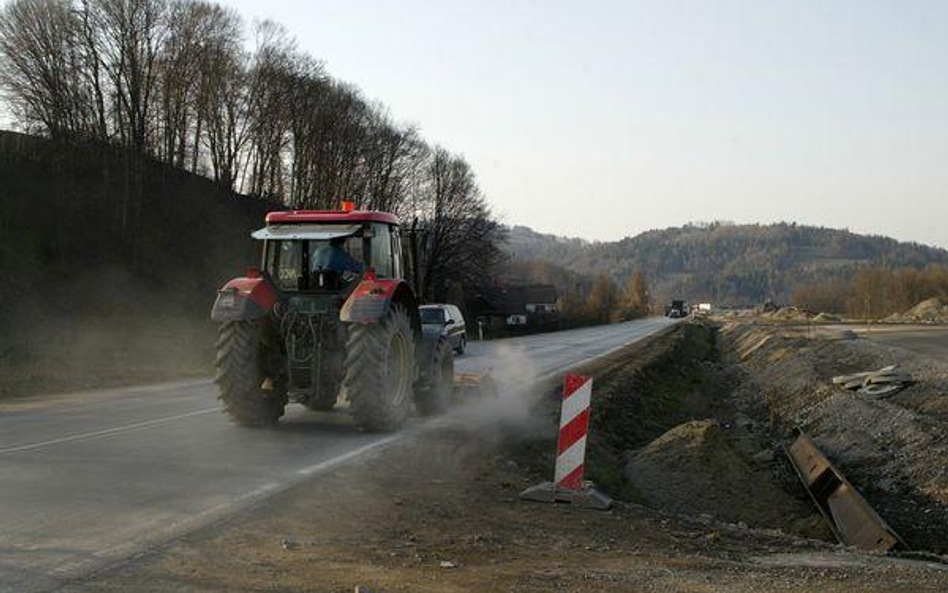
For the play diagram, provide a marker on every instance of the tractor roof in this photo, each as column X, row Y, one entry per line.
column 329, row 216
column 309, row 231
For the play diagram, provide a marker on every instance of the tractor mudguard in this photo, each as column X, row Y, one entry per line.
column 371, row 300
column 425, row 350
column 244, row 298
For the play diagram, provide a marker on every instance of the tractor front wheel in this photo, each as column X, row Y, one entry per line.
column 243, row 360
column 380, row 370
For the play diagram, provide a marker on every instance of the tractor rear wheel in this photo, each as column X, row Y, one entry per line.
column 380, row 370
column 244, row 356
column 435, row 388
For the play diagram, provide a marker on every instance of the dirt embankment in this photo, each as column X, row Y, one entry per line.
column 666, row 433
column 106, row 351
column 931, row 311
column 894, row 450
column 698, row 424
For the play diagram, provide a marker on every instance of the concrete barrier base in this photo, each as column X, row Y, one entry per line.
column 586, row 497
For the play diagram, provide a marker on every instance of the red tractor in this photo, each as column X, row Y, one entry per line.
column 329, row 316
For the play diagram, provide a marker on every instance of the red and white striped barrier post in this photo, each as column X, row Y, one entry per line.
column 574, row 424
column 568, row 484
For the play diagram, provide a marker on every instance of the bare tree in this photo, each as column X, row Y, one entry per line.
column 463, row 244
column 128, row 36
column 196, row 31
column 40, row 42
column 92, row 72
column 392, row 154
column 636, row 300
column 171, row 79
column 275, row 68
column 602, row 304
column 224, row 99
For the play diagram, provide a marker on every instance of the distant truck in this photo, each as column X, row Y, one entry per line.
column 677, row 309
column 701, row 309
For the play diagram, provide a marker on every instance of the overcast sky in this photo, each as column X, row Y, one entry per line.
column 604, row 119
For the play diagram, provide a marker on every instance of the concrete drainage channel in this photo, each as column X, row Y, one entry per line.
column 673, row 428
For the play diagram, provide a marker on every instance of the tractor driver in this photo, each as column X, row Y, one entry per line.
column 334, row 258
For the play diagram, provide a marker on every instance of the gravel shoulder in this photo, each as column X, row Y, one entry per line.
column 894, row 449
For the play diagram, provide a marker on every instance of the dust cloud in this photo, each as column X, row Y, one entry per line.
column 104, row 331
column 513, row 410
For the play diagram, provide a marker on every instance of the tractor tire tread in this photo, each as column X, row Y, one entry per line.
column 364, row 382
column 239, row 361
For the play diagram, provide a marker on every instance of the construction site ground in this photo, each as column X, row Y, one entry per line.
column 440, row 510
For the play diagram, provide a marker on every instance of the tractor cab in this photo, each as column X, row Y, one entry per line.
column 313, row 251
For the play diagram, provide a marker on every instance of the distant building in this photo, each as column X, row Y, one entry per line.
column 528, row 307
column 538, row 302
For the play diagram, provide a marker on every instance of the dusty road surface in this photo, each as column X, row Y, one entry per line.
column 88, row 479
column 440, row 512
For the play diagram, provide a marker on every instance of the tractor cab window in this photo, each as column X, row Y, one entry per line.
column 397, row 259
column 382, row 253
column 330, row 259
column 336, row 263
column 286, row 263
column 317, row 264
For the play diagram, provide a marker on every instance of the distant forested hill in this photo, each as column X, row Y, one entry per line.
column 723, row 263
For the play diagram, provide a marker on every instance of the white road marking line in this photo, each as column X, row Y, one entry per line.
column 324, row 465
column 106, row 432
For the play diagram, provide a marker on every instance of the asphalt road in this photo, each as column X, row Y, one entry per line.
column 89, row 479
column 929, row 340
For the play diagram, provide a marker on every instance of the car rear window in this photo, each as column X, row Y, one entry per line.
column 432, row 315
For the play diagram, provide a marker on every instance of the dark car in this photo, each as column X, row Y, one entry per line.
column 450, row 321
